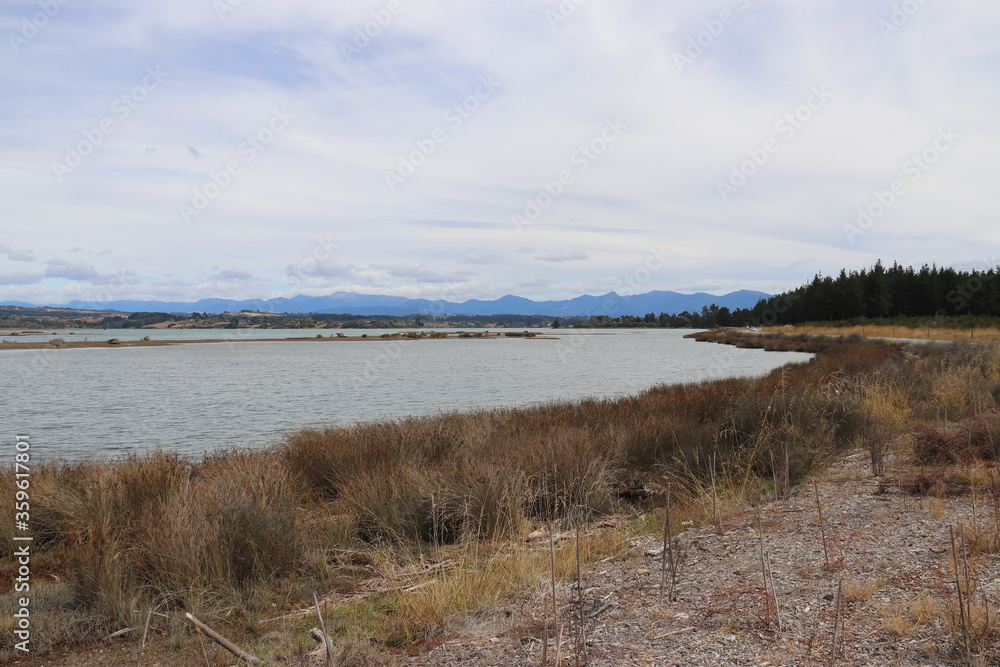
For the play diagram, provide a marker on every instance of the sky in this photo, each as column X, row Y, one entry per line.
column 456, row 150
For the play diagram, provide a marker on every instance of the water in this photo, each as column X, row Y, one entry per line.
column 98, row 402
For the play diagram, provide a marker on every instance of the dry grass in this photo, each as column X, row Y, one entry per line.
column 859, row 591
column 896, row 622
column 882, row 331
column 226, row 536
column 939, row 509
column 924, row 608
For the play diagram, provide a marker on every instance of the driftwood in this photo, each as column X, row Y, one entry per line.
column 223, row 642
column 398, row 582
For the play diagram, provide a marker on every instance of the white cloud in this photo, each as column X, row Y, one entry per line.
column 535, row 146
column 20, row 278
column 236, row 275
column 21, row 256
column 60, row 268
column 568, row 256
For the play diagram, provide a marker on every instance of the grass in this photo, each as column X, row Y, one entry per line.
column 859, row 591
column 930, row 331
column 232, row 535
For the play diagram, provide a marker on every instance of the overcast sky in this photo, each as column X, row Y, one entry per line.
column 463, row 149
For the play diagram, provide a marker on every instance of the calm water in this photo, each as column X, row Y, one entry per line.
column 194, row 398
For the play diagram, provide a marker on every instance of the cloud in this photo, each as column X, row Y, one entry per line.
column 477, row 258
column 570, row 256
column 236, row 275
column 85, row 273
column 537, row 146
column 59, row 268
column 311, row 268
column 20, row 278
column 419, row 274
column 535, row 284
column 19, row 255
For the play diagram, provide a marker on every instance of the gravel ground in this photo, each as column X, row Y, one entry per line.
column 888, row 550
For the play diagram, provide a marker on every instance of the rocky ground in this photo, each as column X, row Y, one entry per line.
column 888, row 553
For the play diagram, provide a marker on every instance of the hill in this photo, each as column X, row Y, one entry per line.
column 611, row 304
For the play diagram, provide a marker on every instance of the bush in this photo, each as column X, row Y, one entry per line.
column 976, row 441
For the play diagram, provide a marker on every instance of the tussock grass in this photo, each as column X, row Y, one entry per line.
column 226, row 535
column 859, row 591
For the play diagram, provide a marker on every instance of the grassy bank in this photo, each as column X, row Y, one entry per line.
column 406, row 526
column 985, row 331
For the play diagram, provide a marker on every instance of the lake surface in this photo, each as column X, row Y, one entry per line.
column 99, row 402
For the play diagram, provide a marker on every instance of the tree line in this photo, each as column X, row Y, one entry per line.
column 896, row 292
column 903, row 294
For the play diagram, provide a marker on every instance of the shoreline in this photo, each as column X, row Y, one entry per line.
column 115, row 342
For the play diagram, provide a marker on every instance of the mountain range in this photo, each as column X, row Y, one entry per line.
column 611, row 304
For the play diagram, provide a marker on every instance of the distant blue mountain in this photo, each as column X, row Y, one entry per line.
column 373, row 304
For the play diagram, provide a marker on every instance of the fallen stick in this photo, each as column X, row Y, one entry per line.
column 599, row 610
column 822, row 528
column 667, row 548
column 326, row 641
column 836, row 624
column 774, row 593
column 142, row 644
column 223, row 642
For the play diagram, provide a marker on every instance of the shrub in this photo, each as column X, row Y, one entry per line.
column 976, row 441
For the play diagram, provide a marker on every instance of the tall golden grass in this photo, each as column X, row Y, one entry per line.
column 225, row 535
